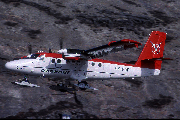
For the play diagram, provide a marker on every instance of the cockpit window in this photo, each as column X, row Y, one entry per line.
column 41, row 57
column 32, row 56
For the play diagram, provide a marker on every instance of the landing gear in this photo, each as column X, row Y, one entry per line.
column 64, row 84
column 25, row 79
column 25, row 82
column 64, row 87
column 67, row 86
column 83, row 85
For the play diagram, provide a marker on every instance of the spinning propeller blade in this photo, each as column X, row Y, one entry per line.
column 61, row 43
column 50, row 51
column 29, row 48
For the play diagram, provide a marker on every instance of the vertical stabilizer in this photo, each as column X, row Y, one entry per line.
column 152, row 50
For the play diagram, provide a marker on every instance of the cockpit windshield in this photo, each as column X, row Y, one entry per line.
column 41, row 57
column 32, row 56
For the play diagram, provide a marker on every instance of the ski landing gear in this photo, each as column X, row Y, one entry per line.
column 83, row 85
column 24, row 82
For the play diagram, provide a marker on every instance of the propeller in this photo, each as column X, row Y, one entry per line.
column 29, row 48
column 50, row 51
column 60, row 43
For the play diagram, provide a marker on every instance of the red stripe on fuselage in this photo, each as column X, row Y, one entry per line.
column 111, row 62
column 72, row 58
column 53, row 55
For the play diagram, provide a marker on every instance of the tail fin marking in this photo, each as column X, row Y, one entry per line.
column 152, row 50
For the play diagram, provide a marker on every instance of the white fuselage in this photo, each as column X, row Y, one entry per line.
column 110, row 71
column 78, row 69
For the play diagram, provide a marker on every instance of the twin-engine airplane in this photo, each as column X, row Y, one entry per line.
column 75, row 64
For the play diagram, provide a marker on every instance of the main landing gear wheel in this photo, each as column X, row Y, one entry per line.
column 83, row 85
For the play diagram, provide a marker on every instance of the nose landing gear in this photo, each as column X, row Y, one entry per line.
column 25, row 82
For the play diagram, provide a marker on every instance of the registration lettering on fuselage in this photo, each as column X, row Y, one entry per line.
column 56, row 71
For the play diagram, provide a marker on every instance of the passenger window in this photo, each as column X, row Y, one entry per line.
column 53, row 60
column 99, row 64
column 58, row 61
column 93, row 63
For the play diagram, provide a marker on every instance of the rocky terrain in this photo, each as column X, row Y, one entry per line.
column 84, row 24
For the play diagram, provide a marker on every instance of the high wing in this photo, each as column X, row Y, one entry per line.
column 72, row 54
column 113, row 46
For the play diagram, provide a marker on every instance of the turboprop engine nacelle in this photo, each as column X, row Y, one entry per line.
column 62, row 51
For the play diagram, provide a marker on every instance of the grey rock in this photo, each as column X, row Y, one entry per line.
column 84, row 25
